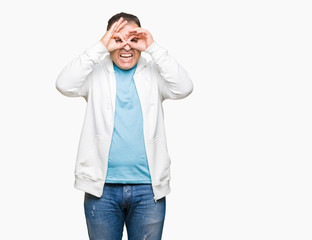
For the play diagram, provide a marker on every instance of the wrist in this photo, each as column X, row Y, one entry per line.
column 96, row 51
column 104, row 43
column 150, row 49
column 155, row 51
column 149, row 44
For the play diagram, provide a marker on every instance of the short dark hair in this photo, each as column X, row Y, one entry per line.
column 125, row 16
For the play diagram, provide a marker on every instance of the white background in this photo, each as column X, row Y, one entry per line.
column 240, row 144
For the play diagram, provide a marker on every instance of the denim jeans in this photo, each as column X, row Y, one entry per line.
column 130, row 204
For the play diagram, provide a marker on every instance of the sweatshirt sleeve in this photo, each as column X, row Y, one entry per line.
column 174, row 81
column 72, row 80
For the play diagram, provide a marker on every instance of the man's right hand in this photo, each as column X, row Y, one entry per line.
column 111, row 39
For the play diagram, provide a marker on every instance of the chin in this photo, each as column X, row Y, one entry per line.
column 125, row 66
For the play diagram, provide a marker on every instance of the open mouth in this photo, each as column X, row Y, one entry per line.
column 126, row 55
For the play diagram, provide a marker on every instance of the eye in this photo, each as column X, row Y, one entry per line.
column 118, row 40
column 134, row 40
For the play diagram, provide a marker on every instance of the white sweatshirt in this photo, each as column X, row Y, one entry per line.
column 91, row 76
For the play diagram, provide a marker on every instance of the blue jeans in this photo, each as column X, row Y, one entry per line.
column 130, row 204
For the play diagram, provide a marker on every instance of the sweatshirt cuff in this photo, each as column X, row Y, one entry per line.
column 96, row 51
column 155, row 51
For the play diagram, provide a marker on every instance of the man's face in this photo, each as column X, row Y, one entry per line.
column 126, row 57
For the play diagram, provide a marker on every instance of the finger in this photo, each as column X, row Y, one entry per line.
column 112, row 28
column 124, row 23
column 133, row 44
column 129, row 41
column 131, row 37
column 139, row 34
column 136, row 29
column 121, row 36
column 117, row 45
column 139, row 30
column 118, row 23
column 135, row 33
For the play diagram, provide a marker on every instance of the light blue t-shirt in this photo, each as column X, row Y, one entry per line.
column 127, row 160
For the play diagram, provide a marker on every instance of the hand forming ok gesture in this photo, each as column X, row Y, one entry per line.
column 140, row 39
column 108, row 39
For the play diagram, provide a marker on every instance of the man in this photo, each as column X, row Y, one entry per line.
column 122, row 163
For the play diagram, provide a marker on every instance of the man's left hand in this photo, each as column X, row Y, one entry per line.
column 140, row 39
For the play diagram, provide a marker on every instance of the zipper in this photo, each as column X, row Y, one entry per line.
column 110, row 105
column 135, row 77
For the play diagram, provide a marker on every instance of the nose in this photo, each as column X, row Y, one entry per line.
column 127, row 47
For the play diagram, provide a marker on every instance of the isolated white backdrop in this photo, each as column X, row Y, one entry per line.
column 240, row 144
